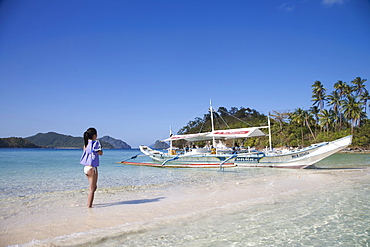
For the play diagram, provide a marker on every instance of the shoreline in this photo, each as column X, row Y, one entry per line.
column 355, row 151
column 65, row 218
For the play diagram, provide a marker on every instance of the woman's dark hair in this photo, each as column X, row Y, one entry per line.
column 89, row 134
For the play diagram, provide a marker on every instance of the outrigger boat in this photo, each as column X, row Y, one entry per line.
column 201, row 157
column 215, row 157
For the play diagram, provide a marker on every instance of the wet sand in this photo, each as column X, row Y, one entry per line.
column 63, row 216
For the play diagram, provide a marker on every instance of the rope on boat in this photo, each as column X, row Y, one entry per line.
column 223, row 162
column 134, row 157
column 235, row 118
column 174, row 158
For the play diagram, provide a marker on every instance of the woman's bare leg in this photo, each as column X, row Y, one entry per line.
column 92, row 176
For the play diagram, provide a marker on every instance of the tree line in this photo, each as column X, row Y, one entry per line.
column 331, row 116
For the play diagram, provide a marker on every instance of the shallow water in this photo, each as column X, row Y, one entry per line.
column 333, row 215
column 34, row 171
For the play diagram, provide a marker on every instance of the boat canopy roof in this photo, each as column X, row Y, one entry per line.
column 220, row 134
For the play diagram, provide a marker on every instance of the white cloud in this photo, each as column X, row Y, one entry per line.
column 287, row 7
column 331, row 2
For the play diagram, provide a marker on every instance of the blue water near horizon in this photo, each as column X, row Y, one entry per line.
column 32, row 171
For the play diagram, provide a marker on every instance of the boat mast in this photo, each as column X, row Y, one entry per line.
column 170, row 151
column 213, row 127
column 268, row 120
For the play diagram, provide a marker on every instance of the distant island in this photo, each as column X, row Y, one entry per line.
column 160, row 145
column 55, row 140
column 117, row 144
column 16, row 142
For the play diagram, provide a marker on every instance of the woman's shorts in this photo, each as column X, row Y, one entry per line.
column 87, row 169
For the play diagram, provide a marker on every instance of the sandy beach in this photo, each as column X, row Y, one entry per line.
column 65, row 218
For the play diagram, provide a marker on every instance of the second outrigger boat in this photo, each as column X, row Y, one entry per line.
column 201, row 157
column 215, row 157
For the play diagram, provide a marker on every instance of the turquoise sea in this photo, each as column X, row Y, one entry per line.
column 331, row 214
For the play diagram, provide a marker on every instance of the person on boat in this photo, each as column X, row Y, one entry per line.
column 92, row 147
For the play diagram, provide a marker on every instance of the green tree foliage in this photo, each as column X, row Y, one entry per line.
column 361, row 136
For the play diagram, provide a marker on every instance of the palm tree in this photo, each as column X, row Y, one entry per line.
column 359, row 87
column 335, row 101
column 318, row 94
column 280, row 117
column 314, row 110
column 302, row 117
column 361, row 92
column 343, row 89
column 352, row 110
column 326, row 119
column 340, row 88
column 348, row 90
column 298, row 117
column 364, row 98
column 309, row 119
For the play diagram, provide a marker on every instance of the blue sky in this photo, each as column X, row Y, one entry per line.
column 134, row 68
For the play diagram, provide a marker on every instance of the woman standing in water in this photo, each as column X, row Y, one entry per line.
column 92, row 147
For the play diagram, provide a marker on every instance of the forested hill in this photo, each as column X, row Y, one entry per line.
column 16, row 142
column 54, row 140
